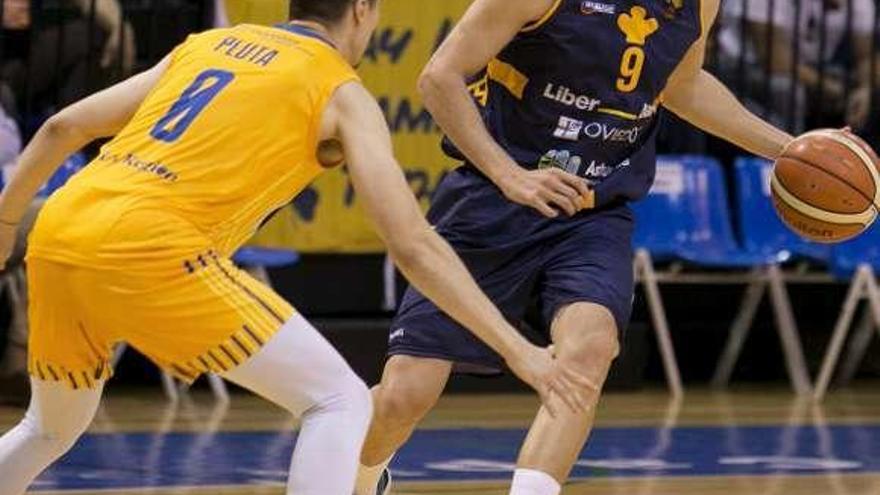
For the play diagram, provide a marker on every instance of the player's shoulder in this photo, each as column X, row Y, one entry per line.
column 529, row 14
column 350, row 98
column 538, row 12
column 350, row 101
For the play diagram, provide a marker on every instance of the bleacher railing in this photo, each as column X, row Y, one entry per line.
column 53, row 52
column 802, row 63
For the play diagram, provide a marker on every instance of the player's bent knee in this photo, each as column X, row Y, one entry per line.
column 361, row 403
column 51, row 440
column 601, row 347
column 605, row 345
column 591, row 338
column 355, row 407
column 350, row 394
column 403, row 402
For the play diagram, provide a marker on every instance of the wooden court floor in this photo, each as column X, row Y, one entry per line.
column 756, row 441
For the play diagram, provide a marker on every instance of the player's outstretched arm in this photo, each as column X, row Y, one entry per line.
column 698, row 97
column 482, row 33
column 706, row 103
column 100, row 115
column 423, row 256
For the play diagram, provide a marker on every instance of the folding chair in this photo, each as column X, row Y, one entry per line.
column 257, row 261
column 659, row 229
column 762, row 230
column 686, row 218
column 68, row 169
column 764, row 233
column 858, row 261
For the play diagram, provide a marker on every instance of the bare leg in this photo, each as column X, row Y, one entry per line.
column 409, row 388
column 585, row 334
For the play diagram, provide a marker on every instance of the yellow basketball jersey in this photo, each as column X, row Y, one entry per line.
column 228, row 135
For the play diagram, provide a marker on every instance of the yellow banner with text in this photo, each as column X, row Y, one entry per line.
column 327, row 217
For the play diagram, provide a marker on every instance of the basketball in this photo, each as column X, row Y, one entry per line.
column 826, row 185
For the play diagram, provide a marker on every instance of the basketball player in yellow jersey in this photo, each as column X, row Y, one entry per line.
column 229, row 127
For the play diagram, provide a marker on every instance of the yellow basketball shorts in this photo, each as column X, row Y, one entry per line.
column 190, row 317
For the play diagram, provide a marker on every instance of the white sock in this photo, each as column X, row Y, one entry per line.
column 531, row 482
column 368, row 478
column 300, row 371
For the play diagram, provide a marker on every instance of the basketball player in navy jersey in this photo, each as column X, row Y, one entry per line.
column 552, row 107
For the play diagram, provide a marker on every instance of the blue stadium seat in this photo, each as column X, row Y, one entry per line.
column 71, row 166
column 686, row 216
column 863, row 250
column 68, row 169
column 660, row 225
column 762, row 230
column 857, row 261
column 265, row 257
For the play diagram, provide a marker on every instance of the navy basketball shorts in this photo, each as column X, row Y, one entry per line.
column 584, row 259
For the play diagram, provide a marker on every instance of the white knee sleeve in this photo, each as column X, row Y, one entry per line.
column 350, row 398
column 55, row 420
column 301, row 372
column 53, row 442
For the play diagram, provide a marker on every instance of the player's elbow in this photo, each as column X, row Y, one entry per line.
column 63, row 126
column 434, row 82
column 682, row 100
column 698, row 90
column 427, row 84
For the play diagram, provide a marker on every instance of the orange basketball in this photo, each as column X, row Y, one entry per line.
column 826, row 185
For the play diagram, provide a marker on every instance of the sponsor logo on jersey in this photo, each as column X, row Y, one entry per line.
column 140, row 164
column 561, row 159
column 636, row 25
column 594, row 171
column 397, row 334
column 648, row 111
column 568, row 129
column 599, row 170
column 590, row 8
column 565, row 95
column 672, row 8
column 611, row 134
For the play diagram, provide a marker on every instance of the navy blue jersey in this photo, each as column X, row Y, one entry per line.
column 580, row 89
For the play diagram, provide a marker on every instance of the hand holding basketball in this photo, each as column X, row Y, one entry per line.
column 826, row 185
